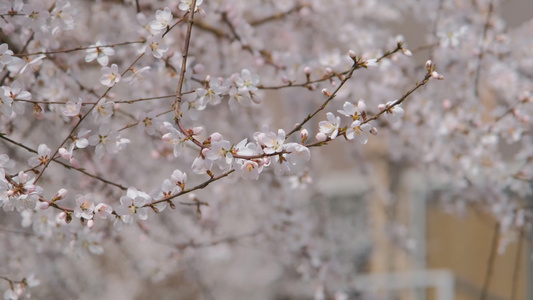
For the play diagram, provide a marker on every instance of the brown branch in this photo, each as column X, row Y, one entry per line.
column 517, row 262
column 481, row 49
column 490, row 262
column 399, row 101
column 64, row 164
column 277, row 16
column 81, row 48
column 200, row 186
column 83, row 118
column 357, row 65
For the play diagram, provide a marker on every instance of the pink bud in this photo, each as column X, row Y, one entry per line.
column 307, row 71
column 64, row 153
column 197, row 130
column 352, row 54
column 361, row 106
column 62, row 215
column 321, row 137
column 304, row 135
column 407, row 52
column 90, row 223
column 326, row 92
column 60, row 194
column 43, row 205
column 256, row 98
column 199, row 68
column 428, row 65
column 382, row 107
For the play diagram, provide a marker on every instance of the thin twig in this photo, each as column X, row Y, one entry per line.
column 481, row 49
column 490, row 262
column 517, row 262
column 64, row 164
column 356, row 65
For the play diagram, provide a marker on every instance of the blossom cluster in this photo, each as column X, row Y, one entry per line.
column 112, row 111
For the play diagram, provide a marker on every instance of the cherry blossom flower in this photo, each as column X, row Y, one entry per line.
column 21, row 195
column 72, row 109
column 358, row 131
column 148, row 122
column 62, row 17
column 37, row 16
column 393, row 114
column 107, row 141
column 250, row 169
column 163, row 18
column 101, row 54
column 84, row 206
column 42, row 158
column 220, row 152
column 87, row 242
column 15, row 92
column 80, row 139
column 69, row 154
column 136, row 75
column 132, row 204
column 179, row 178
column 5, row 56
column 201, row 165
column 214, row 93
column 273, row 143
column 297, row 153
column 247, row 82
column 34, row 62
column 110, row 76
column 185, row 5
column 331, row 126
column 103, row 210
column 235, row 96
column 176, row 139
column 154, row 46
column 103, row 110
column 349, row 110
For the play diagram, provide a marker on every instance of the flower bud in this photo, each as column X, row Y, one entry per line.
column 326, row 92
column 361, row 106
column 90, row 223
column 407, row 52
column 304, row 135
column 321, row 137
column 428, row 65
column 62, row 215
column 60, row 195
column 352, row 54
column 371, row 63
column 198, row 68
column 64, row 153
column 374, row 131
column 307, row 71
column 382, row 107
column 44, row 205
